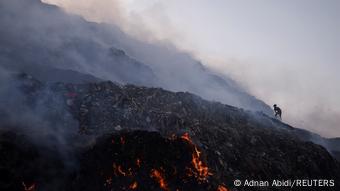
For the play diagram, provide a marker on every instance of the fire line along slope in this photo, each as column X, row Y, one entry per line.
column 137, row 138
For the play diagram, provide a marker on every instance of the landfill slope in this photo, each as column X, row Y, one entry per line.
column 137, row 138
column 54, row 46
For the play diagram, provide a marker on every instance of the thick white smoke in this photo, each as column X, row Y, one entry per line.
column 296, row 76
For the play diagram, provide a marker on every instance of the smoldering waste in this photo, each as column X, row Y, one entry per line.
column 138, row 138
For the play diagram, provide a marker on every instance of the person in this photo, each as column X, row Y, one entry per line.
column 277, row 111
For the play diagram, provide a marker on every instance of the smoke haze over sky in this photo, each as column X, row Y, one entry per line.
column 283, row 52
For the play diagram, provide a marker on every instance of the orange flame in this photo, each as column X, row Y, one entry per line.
column 121, row 171
column 222, row 188
column 201, row 169
column 28, row 188
column 134, row 185
column 118, row 170
column 159, row 178
column 186, row 137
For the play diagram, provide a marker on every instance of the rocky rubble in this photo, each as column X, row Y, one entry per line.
column 170, row 133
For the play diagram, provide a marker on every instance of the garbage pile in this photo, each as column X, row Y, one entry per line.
column 142, row 160
column 138, row 138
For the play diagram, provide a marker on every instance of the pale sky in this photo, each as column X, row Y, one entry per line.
column 282, row 51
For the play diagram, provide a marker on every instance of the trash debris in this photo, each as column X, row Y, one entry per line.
column 137, row 138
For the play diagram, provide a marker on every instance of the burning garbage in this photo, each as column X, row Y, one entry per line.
column 148, row 161
column 222, row 188
column 201, row 171
column 158, row 176
column 133, row 186
column 137, row 138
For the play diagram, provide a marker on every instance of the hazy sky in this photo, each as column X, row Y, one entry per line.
column 282, row 51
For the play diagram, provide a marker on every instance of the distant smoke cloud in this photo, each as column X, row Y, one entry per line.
column 99, row 11
column 288, row 75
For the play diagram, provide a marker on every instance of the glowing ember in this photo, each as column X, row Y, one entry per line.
column 121, row 171
column 186, row 137
column 201, row 169
column 138, row 162
column 28, row 188
column 157, row 175
column 118, row 170
column 134, row 185
column 222, row 188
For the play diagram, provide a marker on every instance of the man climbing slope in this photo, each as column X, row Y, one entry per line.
column 277, row 111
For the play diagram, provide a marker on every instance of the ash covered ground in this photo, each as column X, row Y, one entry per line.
column 106, row 136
